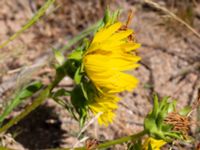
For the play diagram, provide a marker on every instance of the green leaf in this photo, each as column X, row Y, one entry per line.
column 31, row 22
column 26, row 92
column 185, row 110
column 172, row 106
column 77, row 97
column 115, row 15
column 59, row 56
column 107, row 16
column 84, row 90
column 78, row 76
column 79, row 102
column 150, row 147
column 155, row 106
column 3, row 148
column 76, row 55
column 83, row 117
column 60, row 92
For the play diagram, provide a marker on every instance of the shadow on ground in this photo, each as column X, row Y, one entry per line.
column 40, row 130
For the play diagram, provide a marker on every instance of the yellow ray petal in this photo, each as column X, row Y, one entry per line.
column 104, row 33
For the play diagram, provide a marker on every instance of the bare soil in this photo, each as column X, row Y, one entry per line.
column 169, row 67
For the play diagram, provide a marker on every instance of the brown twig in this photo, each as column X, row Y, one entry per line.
column 165, row 10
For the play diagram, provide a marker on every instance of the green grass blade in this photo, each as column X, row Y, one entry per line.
column 26, row 92
column 31, row 22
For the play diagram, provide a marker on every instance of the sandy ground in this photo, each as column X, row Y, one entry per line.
column 168, row 49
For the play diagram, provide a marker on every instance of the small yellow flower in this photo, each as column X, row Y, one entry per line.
column 155, row 144
column 105, row 105
column 109, row 56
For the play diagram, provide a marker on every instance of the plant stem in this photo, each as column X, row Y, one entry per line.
column 41, row 98
column 122, row 140
column 43, row 95
column 45, row 92
column 112, row 142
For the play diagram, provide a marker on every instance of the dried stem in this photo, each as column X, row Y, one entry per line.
column 165, row 10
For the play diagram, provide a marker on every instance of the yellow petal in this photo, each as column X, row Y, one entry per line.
column 155, row 144
column 104, row 33
column 120, row 35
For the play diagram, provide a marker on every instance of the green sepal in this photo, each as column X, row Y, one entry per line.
column 154, row 123
column 83, row 118
column 88, row 90
column 185, row 111
column 115, row 16
column 86, row 44
column 155, row 106
column 60, row 92
column 68, row 68
column 79, row 102
column 84, row 90
column 78, row 76
column 110, row 17
column 57, row 97
column 59, row 56
column 107, row 16
column 76, row 55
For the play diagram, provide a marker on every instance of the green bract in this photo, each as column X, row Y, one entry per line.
column 154, row 122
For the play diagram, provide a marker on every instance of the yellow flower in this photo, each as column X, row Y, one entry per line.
column 155, row 144
column 104, row 105
column 109, row 56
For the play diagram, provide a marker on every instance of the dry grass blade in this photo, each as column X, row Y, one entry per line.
column 165, row 10
column 186, row 70
column 31, row 22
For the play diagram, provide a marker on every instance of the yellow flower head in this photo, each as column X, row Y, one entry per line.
column 155, row 144
column 109, row 55
column 104, row 105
